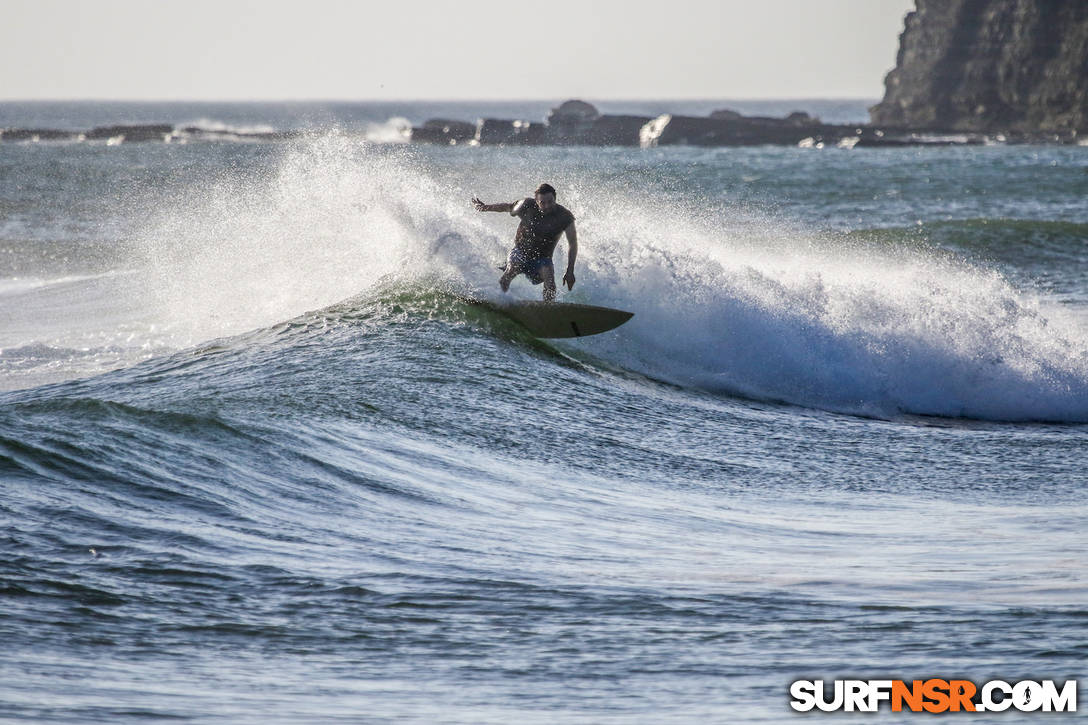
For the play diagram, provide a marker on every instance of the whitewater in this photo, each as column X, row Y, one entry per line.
column 262, row 462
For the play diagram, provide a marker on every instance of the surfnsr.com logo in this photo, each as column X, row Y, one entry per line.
column 934, row 695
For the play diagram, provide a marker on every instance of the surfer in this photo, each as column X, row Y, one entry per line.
column 542, row 223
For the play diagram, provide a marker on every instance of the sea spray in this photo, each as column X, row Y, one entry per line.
column 333, row 217
column 727, row 297
column 823, row 321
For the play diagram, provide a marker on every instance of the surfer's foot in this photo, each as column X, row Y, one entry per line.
column 504, row 283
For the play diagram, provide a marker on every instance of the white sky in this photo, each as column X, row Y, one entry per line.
column 424, row 49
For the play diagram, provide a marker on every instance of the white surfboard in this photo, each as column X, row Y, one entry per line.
column 562, row 319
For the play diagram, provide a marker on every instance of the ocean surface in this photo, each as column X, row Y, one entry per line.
column 261, row 462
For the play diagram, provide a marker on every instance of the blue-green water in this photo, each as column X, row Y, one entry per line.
column 259, row 461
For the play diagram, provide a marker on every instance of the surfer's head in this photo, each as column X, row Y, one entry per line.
column 545, row 197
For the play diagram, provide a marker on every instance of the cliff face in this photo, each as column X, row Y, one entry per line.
column 990, row 66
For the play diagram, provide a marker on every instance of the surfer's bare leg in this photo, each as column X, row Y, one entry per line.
column 509, row 272
column 548, row 273
column 507, row 276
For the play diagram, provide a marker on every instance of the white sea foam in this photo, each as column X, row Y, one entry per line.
column 394, row 130
column 787, row 315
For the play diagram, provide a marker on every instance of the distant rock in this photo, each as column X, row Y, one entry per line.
column 991, row 66
column 615, row 130
column 152, row 132
column 573, row 112
column 736, row 130
column 571, row 122
column 726, row 114
column 149, row 132
column 800, row 118
column 577, row 123
column 443, row 131
column 492, row 131
column 527, row 132
column 37, row 134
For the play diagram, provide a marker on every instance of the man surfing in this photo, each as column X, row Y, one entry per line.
column 542, row 222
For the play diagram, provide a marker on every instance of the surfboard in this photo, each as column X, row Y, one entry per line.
column 562, row 319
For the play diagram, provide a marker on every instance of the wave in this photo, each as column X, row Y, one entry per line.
column 725, row 300
column 856, row 351
column 831, row 324
column 905, row 344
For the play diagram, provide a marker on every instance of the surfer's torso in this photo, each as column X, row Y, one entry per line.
column 538, row 232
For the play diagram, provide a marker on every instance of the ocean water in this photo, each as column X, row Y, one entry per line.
column 261, row 462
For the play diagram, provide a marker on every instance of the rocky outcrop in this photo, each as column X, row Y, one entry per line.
column 443, row 131
column 37, row 134
column 147, row 132
column 576, row 123
column 613, row 130
column 991, row 66
column 728, row 128
column 579, row 123
column 573, row 117
column 572, row 123
column 152, row 132
column 493, row 131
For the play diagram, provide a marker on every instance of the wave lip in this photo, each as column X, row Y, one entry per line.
column 876, row 347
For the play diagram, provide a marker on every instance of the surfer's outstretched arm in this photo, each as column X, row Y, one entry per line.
column 572, row 254
column 480, row 206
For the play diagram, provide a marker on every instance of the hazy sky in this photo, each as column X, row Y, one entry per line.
column 419, row 49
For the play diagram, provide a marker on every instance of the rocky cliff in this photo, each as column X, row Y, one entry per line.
column 991, row 66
